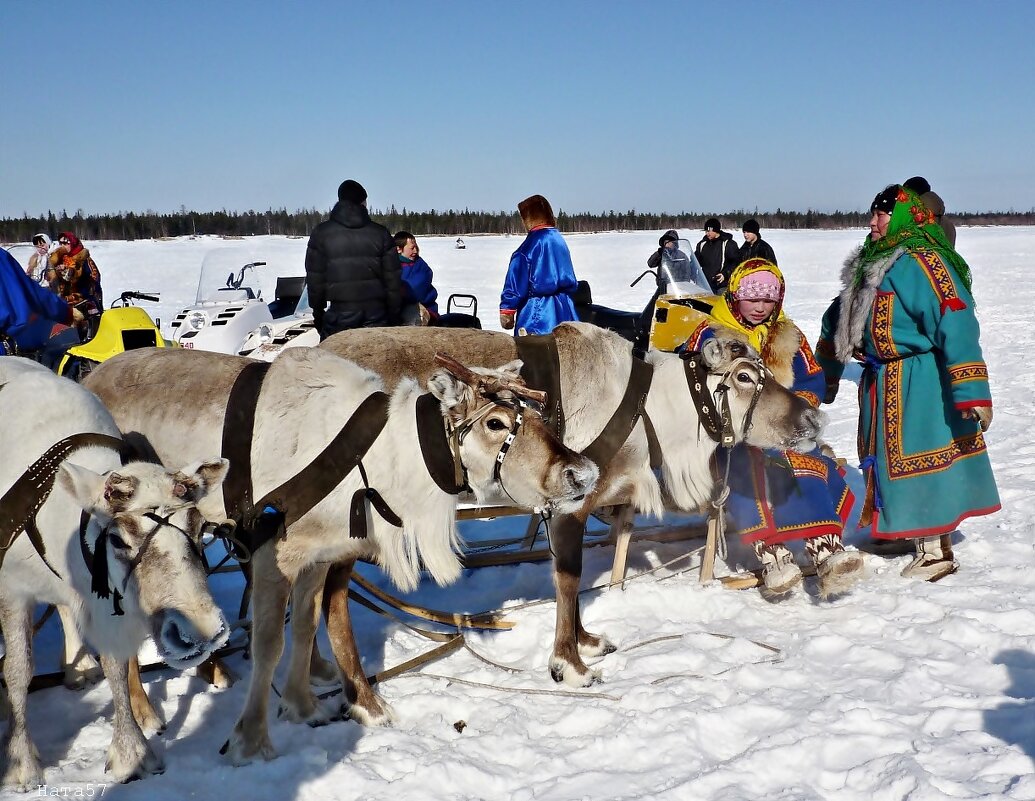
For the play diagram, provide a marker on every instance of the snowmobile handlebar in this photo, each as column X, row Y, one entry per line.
column 126, row 297
column 641, row 276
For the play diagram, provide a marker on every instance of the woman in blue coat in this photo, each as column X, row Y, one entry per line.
column 540, row 282
column 32, row 318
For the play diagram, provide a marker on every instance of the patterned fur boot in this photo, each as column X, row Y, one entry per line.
column 934, row 559
column 780, row 573
column 837, row 568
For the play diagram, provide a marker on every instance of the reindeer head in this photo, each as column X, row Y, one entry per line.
column 142, row 541
column 778, row 418
column 508, row 452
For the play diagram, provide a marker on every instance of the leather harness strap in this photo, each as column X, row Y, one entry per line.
column 267, row 518
column 602, row 449
column 300, row 493
column 238, row 427
column 26, row 497
column 541, row 369
column 435, row 447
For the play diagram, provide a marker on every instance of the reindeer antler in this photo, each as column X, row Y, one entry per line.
column 488, row 384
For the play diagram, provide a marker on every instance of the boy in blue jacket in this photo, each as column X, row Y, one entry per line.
column 417, row 288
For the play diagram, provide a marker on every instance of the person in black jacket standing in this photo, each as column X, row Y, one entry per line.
column 718, row 255
column 754, row 246
column 352, row 267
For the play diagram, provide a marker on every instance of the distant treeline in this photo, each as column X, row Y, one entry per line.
column 150, row 225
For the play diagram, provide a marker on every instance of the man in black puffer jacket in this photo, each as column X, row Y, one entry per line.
column 717, row 254
column 352, row 264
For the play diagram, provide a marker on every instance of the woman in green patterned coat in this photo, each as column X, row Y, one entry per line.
column 906, row 312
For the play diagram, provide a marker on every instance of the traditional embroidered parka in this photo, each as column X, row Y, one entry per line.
column 910, row 319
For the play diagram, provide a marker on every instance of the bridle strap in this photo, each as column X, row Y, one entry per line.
column 20, row 504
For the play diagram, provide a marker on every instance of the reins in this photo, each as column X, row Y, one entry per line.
column 715, row 417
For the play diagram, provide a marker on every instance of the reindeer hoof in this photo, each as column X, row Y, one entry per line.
column 372, row 713
column 596, row 646
column 309, row 712
column 242, row 751
column 573, row 675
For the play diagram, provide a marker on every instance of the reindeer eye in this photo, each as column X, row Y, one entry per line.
column 744, row 377
column 495, row 424
column 117, row 542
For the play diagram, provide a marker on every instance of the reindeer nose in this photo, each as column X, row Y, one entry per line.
column 814, row 419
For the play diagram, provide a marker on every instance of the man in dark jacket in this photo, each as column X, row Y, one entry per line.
column 754, row 246
column 352, row 268
column 718, row 255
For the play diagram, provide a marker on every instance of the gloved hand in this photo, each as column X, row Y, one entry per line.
column 425, row 315
column 983, row 415
column 77, row 316
column 507, row 317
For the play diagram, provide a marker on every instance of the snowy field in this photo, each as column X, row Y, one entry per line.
column 900, row 690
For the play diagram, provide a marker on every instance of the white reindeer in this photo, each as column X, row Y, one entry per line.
column 126, row 532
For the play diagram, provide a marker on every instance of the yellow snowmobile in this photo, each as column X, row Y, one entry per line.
column 680, row 304
column 122, row 327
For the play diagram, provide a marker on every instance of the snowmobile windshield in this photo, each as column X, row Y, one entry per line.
column 236, row 272
column 680, row 273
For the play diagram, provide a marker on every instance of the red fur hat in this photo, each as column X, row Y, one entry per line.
column 536, row 211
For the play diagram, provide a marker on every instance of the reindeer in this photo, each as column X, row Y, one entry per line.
column 595, row 367
column 177, row 401
column 117, row 545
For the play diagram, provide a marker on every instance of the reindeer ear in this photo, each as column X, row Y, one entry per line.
column 86, row 486
column 513, row 370
column 199, row 479
column 712, row 353
column 449, row 389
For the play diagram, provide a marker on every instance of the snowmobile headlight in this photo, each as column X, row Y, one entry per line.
column 197, row 320
column 265, row 334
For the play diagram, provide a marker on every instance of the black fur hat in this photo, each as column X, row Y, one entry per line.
column 750, row 227
column 712, row 225
column 918, row 184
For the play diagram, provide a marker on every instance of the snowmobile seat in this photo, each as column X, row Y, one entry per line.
column 623, row 323
column 289, row 290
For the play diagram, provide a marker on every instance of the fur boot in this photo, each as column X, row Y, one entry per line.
column 933, row 560
column 780, row 573
column 836, row 568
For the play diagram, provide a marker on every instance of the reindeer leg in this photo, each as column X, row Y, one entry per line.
column 21, row 768
column 144, row 713
column 565, row 663
column 365, row 706
column 78, row 664
column 298, row 703
column 271, row 588
column 129, row 756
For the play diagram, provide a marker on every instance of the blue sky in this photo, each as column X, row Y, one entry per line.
column 658, row 106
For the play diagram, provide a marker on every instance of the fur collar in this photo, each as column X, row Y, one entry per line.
column 856, row 301
column 778, row 352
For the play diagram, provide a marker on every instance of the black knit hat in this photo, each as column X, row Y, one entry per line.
column 668, row 236
column 712, row 225
column 918, row 184
column 750, row 227
column 352, row 192
column 886, row 199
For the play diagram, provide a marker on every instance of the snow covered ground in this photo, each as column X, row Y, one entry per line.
column 899, row 690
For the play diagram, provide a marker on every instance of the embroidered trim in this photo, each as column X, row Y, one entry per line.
column 693, row 342
column 804, row 464
column 880, row 326
column 968, row 371
column 811, row 398
column 903, row 465
column 941, row 280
